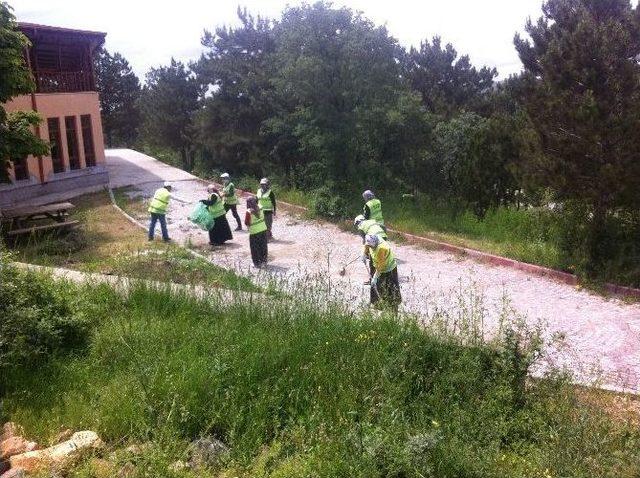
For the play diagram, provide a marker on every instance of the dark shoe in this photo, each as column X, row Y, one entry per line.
column 150, row 239
column 167, row 240
column 239, row 228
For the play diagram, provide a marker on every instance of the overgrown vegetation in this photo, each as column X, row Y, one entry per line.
column 295, row 390
column 108, row 243
column 17, row 139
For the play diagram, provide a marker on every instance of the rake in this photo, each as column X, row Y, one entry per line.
column 343, row 271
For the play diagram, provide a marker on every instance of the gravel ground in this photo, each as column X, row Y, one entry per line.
column 596, row 338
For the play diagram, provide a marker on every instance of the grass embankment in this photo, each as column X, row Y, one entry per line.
column 295, row 392
column 108, row 243
column 528, row 235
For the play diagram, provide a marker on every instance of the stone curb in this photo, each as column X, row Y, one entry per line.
column 500, row 261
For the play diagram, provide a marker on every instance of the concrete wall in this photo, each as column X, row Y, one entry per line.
column 59, row 105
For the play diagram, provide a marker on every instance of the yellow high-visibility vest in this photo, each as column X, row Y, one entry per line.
column 160, row 201
column 264, row 200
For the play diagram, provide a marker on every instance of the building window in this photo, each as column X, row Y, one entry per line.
column 87, row 139
column 53, row 125
column 21, row 169
column 72, row 141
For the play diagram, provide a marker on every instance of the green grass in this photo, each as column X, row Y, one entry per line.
column 297, row 392
column 108, row 243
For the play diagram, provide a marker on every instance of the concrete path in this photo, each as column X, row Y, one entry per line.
column 598, row 339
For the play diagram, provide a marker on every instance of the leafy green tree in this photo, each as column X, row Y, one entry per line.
column 473, row 157
column 169, row 103
column 337, row 91
column 119, row 90
column 446, row 82
column 17, row 139
column 583, row 97
column 236, row 69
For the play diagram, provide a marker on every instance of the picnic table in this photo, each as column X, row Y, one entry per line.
column 20, row 220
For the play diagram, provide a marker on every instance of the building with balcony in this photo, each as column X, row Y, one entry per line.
column 61, row 61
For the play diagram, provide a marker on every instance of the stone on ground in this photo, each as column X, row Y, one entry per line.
column 56, row 456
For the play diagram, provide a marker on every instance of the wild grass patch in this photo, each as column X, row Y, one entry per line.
column 298, row 390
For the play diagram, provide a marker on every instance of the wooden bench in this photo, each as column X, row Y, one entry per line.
column 46, row 227
column 17, row 219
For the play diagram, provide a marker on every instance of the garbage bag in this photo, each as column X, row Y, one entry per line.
column 201, row 217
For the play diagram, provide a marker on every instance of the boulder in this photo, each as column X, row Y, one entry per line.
column 56, row 455
column 14, row 473
column 10, row 429
column 15, row 445
column 64, row 435
column 207, row 451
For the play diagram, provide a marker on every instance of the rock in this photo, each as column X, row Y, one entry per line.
column 207, row 452
column 10, row 429
column 14, row 446
column 178, row 466
column 64, row 435
column 56, row 455
column 138, row 448
column 14, row 473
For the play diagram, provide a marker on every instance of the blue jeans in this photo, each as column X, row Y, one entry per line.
column 163, row 226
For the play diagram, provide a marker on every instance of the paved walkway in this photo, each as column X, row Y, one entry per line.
column 597, row 338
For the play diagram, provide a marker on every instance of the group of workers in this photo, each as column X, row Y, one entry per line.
column 261, row 209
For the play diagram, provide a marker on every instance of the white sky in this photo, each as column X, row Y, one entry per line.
column 148, row 33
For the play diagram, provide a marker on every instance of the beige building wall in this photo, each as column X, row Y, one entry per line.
column 43, row 185
column 61, row 105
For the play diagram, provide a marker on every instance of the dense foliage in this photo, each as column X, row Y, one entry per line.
column 17, row 140
column 299, row 391
column 582, row 93
column 324, row 101
column 119, row 90
column 169, row 102
column 39, row 319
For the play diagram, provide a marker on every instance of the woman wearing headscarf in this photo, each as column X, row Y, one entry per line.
column 385, row 286
column 220, row 232
column 258, row 232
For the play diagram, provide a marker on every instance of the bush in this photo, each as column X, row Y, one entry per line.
column 327, row 203
column 39, row 318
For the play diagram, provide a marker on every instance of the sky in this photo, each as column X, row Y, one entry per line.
column 148, row 33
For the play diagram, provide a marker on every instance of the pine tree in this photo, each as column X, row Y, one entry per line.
column 583, row 96
column 169, row 103
column 119, row 90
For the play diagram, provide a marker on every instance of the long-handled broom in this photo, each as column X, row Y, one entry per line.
column 343, row 271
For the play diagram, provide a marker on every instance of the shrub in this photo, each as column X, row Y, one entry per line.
column 39, row 318
column 328, row 203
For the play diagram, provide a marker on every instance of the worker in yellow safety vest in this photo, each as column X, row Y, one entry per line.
column 220, row 232
column 372, row 208
column 230, row 198
column 364, row 227
column 267, row 203
column 385, row 285
column 158, row 209
column 258, row 244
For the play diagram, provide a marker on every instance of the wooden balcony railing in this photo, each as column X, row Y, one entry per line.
column 64, row 82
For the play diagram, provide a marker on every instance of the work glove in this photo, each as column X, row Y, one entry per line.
column 374, row 281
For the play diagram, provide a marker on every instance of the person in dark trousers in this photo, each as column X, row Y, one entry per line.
column 385, row 285
column 220, row 232
column 372, row 208
column 255, row 222
column 267, row 202
column 364, row 227
column 230, row 198
column 158, row 209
